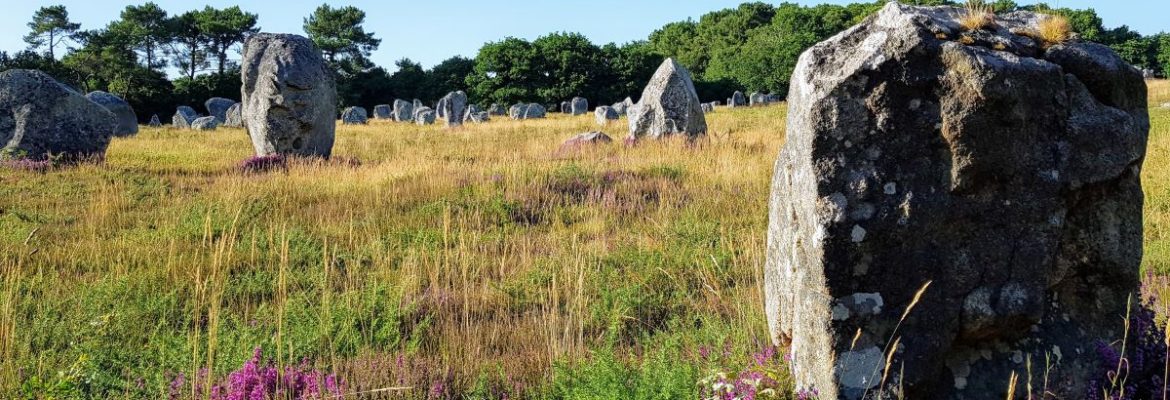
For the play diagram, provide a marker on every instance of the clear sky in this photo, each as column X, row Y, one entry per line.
column 430, row 31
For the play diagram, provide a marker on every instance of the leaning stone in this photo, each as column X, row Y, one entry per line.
column 604, row 114
column 234, row 117
column 383, row 112
column 579, row 106
column 43, row 119
column 669, row 106
column 290, row 97
column 943, row 213
column 354, row 116
column 127, row 120
column 218, row 107
column 208, row 123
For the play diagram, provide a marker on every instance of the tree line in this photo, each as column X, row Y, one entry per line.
column 753, row 47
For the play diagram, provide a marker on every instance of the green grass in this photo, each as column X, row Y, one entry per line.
column 475, row 258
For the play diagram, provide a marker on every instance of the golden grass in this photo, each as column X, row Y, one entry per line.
column 977, row 15
column 1054, row 29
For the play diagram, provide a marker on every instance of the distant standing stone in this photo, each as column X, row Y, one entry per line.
column 478, row 117
column 44, row 118
column 207, row 123
column 154, row 121
column 533, row 111
column 497, row 109
column 235, row 118
column 127, row 120
column 759, row 99
column 354, row 116
column 623, row 107
column 184, row 116
column 383, row 112
column 424, row 116
column 218, row 106
column 417, row 104
column 669, row 106
column 403, row 110
column 579, row 106
column 290, row 97
column 565, row 107
column 453, row 108
column 604, row 114
column 737, row 100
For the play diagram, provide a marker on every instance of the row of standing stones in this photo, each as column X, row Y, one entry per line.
column 289, row 106
column 944, row 215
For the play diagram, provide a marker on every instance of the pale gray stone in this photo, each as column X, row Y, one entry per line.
column 669, row 106
column 604, row 115
column 290, row 97
column 208, row 123
column 218, row 107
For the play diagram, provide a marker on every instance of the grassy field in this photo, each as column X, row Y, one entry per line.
column 420, row 263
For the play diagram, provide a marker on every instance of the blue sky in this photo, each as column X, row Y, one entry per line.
column 430, row 31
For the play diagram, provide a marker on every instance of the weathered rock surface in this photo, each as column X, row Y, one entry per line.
column 424, row 116
column 403, row 111
column 604, row 114
column 383, row 112
column 42, row 118
column 669, row 106
column 623, row 107
column 235, row 117
column 218, row 107
column 1008, row 179
column 354, row 116
column 579, row 106
column 453, row 107
column 208, row 123
column 583, row 140
column 127, row 120
column 184, row 116
column 737, row 100
column 290, row 97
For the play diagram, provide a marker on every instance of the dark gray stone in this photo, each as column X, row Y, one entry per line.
column 354, row 116
column 184, row 116
column 404, row 110
column 737, row 100
column 669, row 106
column 154, row 121
column 604, row 114
column 453, row 107
column 1006, row 174
column 497, row 110
column 578, row 106
column 383, row 112
column 424, row 116
column 218, row 107
column 127, row 120
column 41, row 118
column 290, row 97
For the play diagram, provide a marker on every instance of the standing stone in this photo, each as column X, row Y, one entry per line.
column 42, row 118
column 154, row 121
column 533, row 111
column 208, row 123
column 579, row 106
column 218, row 107
column 184, row 116
column 235, row 118
column 1005, row 174
column 737, row 100
column 383, row 112
column 669, row 106
column 354, row 116
column 440, row 107
column 290, row 97
column 516, row 110
column 497, row 109
column 453, row 108
column 403, row 111
column 604, row 114
column 424, row 116
column 127, row 120
column 758, row 99
column 623, row 107
column 566, row 107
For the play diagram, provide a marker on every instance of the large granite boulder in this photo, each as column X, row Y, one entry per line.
column 354, row 116
column 403, row 110
column 184, row 116
column 424, row 116
column 955, row 212
column 290, row 97
column 579, row 106
column 208, row 123
column 604, row 115
column 235, row 117
column 383, row 112
column 737, row 100
column 127, row 120
column 41, row 118
column 218, row 107
column 669, row 106
column 497, row 110
column 453, row 108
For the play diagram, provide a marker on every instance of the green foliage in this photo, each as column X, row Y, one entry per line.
column 147, row 30
column 224, row 29
column 50, row 27
column 338, row 32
